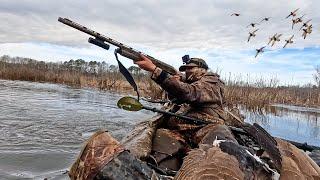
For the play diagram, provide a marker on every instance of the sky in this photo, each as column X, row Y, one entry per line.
column 167, row 30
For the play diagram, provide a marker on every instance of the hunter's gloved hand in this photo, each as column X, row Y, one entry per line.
column 178, row 76
column 146, row 64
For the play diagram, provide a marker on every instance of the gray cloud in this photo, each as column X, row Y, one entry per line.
column 201, row 24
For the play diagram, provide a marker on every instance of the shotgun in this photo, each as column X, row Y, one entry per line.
column 124, row 50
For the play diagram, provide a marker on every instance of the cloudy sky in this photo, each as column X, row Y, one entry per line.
column 168, row 30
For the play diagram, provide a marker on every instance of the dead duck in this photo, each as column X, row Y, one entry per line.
column 305, row 24
column 260, row 50
column 293, row 13
column 235, row 14
column 265, row 19
column 252, row 34
column 250, row 154
column 296, row 21
column 288, row 41
column 253, row 25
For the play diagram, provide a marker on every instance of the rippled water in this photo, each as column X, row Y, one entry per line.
column 43, row 126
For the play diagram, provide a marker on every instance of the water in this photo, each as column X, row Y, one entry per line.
column 43, row 126
column 293, row 123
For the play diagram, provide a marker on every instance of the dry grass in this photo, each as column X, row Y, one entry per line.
column 255, row 98
column 255, row 94
column 101, row 76
column 104, row 77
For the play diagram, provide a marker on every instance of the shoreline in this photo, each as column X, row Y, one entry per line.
column 102, row 76
column 127, row 90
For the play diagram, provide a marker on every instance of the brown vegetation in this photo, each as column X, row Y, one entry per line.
column 316, row 76
column 264, row 92
column 77, row 73
column 107, row 77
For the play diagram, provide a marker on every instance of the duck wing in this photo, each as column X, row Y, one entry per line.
column 295, row 10
column 302, row 27
column 308, row 21
column 288, row 16
column 279, row 35
column 291, row 37
column 293, row 22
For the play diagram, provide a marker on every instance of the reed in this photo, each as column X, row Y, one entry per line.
column 253, row 95
column 258, row 95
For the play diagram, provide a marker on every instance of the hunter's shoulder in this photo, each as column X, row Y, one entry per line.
column 211, row 77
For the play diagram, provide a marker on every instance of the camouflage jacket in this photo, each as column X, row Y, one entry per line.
column 205, row 96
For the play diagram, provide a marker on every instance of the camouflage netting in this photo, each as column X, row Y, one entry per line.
column 139, row 142
column 100, row 149
column 126, row 166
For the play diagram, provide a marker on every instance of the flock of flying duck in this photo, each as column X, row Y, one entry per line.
column 306, row 27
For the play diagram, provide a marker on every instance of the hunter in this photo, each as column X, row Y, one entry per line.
column 201, row 90
column 220, row 152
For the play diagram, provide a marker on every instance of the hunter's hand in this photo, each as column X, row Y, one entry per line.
column 178, row 76
column 146, row 64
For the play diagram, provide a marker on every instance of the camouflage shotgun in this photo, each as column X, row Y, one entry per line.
column 124, row 50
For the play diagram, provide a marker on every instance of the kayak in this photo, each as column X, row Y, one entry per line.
column 154, row 151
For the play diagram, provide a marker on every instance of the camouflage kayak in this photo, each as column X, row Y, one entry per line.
column 152, row 151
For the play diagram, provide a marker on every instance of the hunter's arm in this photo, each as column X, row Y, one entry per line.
column 203, row 91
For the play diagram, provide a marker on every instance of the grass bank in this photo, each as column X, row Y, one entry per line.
column 253, row 95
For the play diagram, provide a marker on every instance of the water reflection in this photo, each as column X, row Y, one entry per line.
column 289, row 122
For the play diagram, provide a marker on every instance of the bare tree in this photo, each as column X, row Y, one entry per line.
column 316, row 76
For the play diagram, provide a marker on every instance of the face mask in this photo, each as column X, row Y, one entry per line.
column 194, row 74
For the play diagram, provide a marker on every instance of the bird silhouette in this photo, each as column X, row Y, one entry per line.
column 309, row 28
column 258, row 51
column 293, row 13
column 288, row 41
column 253, row 24
column 305, row 24
column 277, row 39
column 307, row 31
column 265, row 19
column 304, row 34
column 252, row 34
column 297, row 20
column 235, row 14
column 274, row 39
